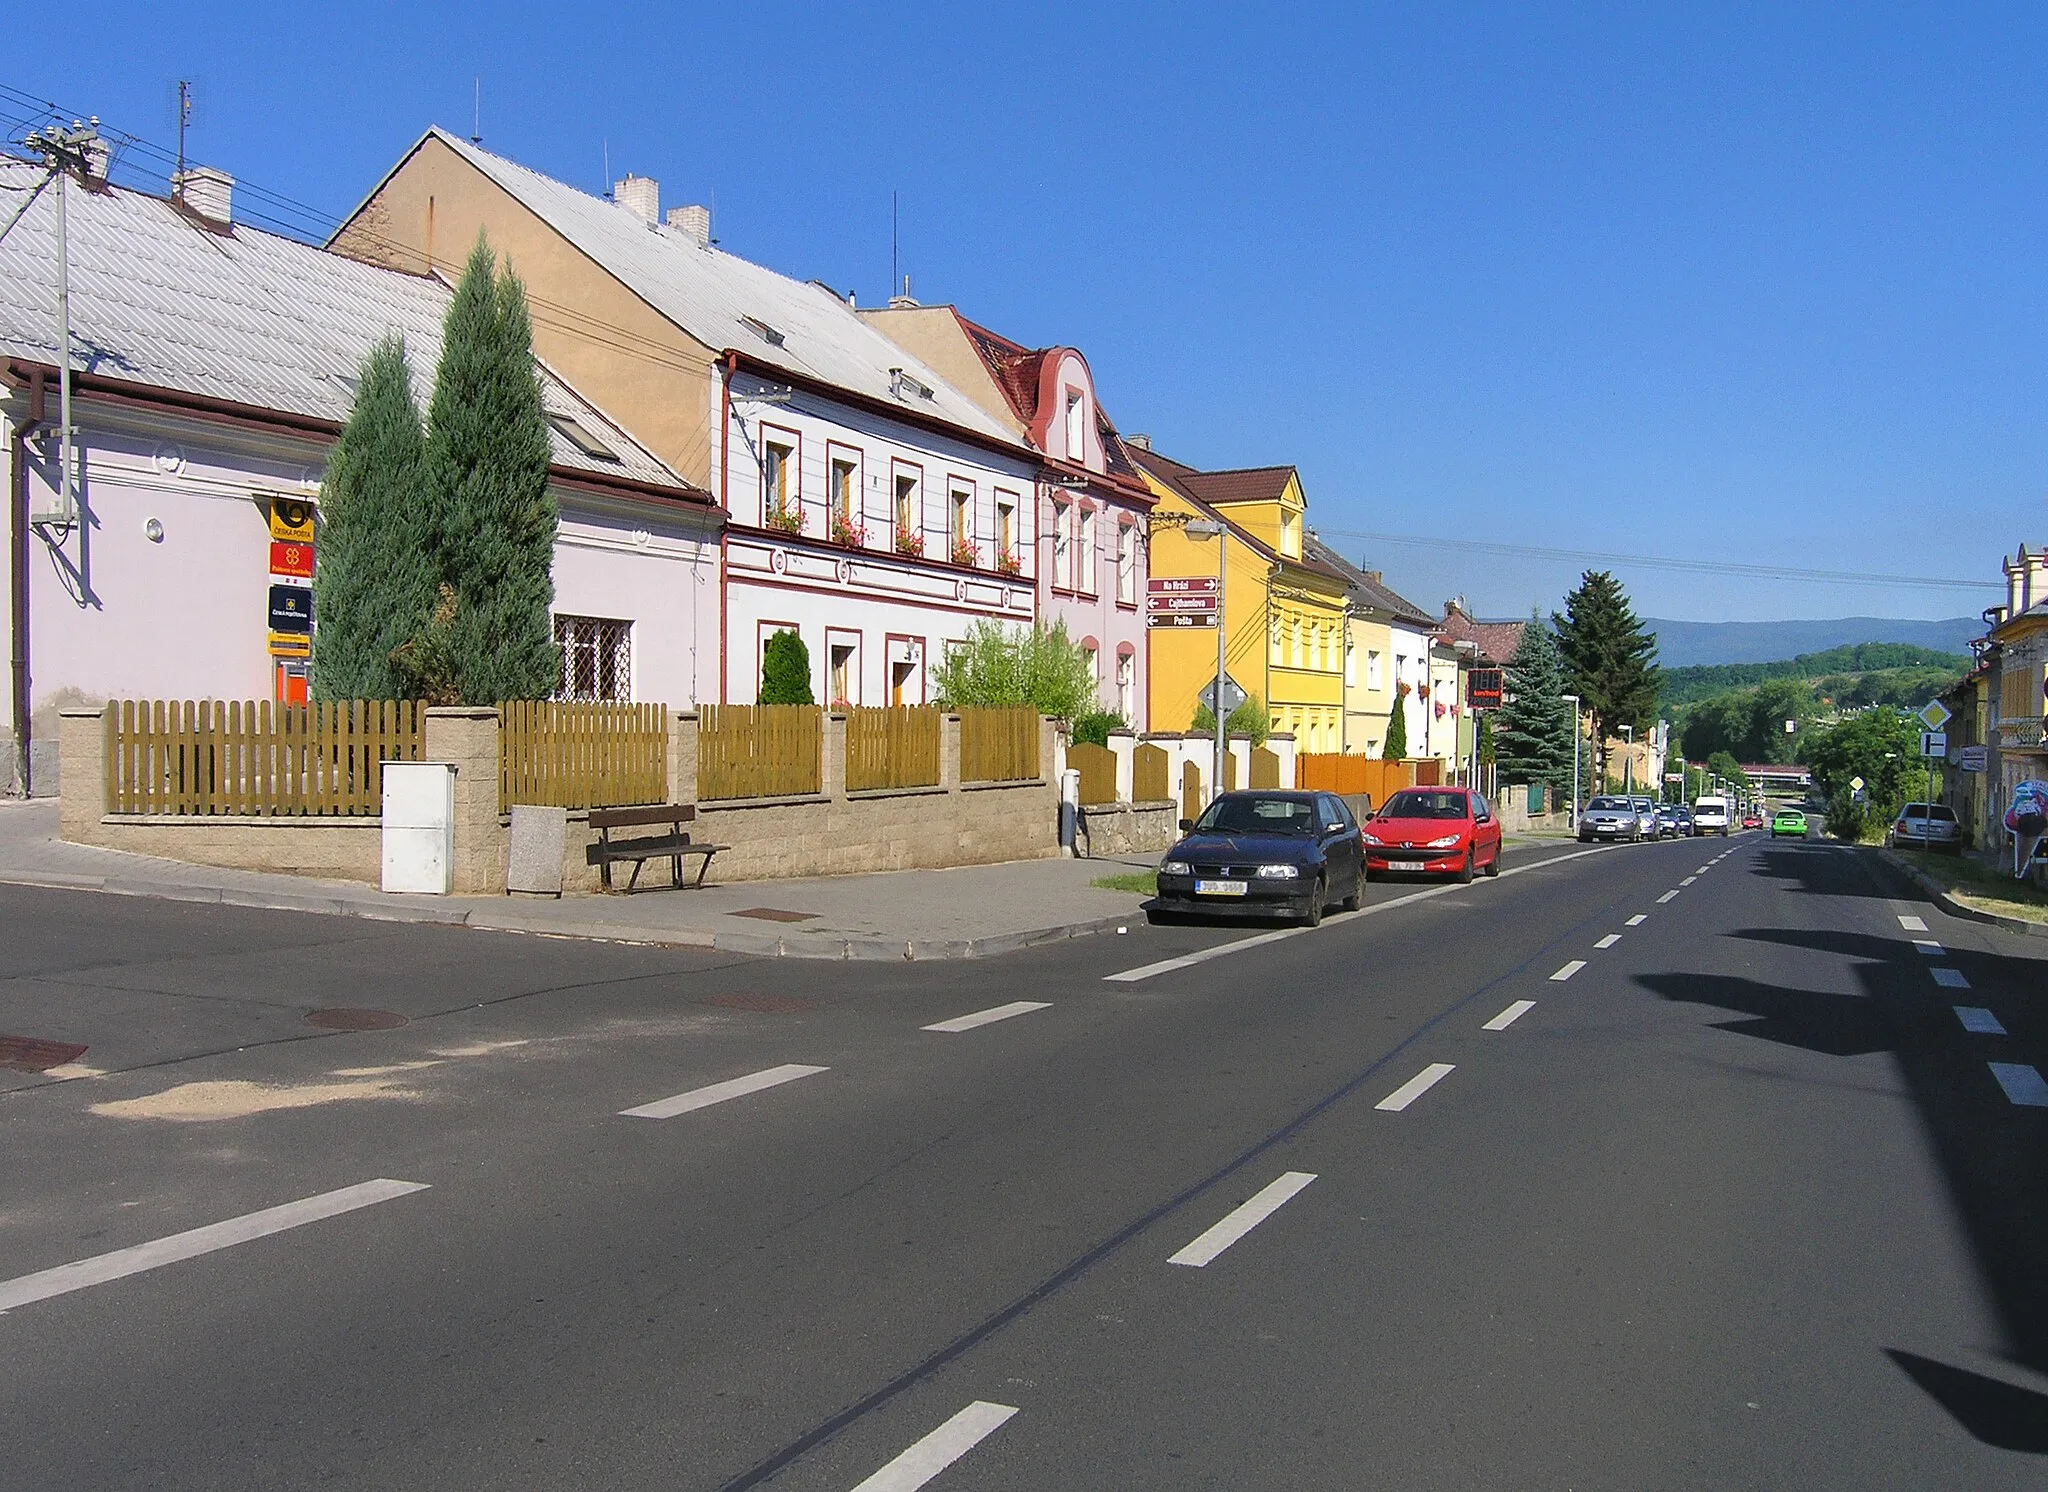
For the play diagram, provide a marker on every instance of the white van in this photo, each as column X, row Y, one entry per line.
column 1710, row 816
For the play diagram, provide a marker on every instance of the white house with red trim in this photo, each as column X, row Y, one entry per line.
column 1093, row 507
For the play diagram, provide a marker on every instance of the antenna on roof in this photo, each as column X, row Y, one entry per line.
column 607, row 170
column 184, row 117
column 892, row 238
column 476, row 114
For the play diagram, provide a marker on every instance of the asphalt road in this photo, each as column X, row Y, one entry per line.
column 1736, row 1199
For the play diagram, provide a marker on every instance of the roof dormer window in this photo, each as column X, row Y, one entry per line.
column 904, row 387
column 581, row 436
column 1077, row 426
column 762, row 330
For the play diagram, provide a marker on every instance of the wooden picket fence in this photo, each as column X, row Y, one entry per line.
column 1331, row 773
column 564, row 755
column 999, row 745
column 892, row 747
column 759, row 751
column 1150, row 774
column 1097, row 766
column 252, row 757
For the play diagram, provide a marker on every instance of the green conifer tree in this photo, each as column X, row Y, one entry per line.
column 1532, row 733
column 786, row 671
column 486, row 489
column 1608, row 657
column 374, row 582
column 1396, row 748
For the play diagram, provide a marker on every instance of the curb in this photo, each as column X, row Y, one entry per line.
column 874, row 947
column 1955, row 908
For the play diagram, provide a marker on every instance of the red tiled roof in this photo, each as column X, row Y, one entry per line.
column 1014, row 368
column 1496, row 640
column 1247, row 484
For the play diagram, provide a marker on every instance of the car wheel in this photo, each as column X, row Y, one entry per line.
column 1314, row 917
column 1465, row 872
column 1493, row 865
column 1350, row 903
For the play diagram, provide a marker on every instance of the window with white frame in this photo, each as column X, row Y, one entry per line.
column 597, row 659
column 779, row 478
column 1127, row 564
column 1350, row 665
column 1085, row 578
column 1077, row 426
column 1063, row 544
column 1372, row 668
column 960, row 520
column 1006, row 526
column 1274, row 642
column 909, row 518
column 1126, row 686
column 842, row 484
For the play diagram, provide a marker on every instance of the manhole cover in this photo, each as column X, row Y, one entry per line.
column 773, row 1004
column 354, row 1020
column 775, row 914
column 30, row 1054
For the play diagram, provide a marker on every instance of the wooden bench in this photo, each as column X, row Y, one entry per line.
column 672, row 846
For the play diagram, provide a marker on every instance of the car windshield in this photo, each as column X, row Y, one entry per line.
column 1412, row 803
column 1249, row 813
column 1608, row 805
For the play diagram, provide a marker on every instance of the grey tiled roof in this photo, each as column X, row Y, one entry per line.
column 713, row 295
column 1364, row 589
column 241, row 315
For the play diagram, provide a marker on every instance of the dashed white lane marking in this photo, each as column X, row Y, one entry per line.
column 990, row 1016
column 1638, row 920
column 1609, row 941
column 1667, row 896
column 121, row 1263
column 1688, row 880
column 1911, row 924
column 1949, row 978
column 2022, row 1084
column 940, row 1449
column 1509, row 1016
column 703, row 1098
column 1567, row 971
column 1705, row 868
column 1416, row 1086
column 1976, row 1018
column 1260, row 940
column 1929, row 947
column 1241, row 1220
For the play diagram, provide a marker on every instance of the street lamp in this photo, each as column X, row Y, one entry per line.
column 1210, row 528
column 1575, row 760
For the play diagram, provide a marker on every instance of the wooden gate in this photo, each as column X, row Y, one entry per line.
column 1097, row 766
column 1151, row 775
column 1265, row 767
column 1190, row 790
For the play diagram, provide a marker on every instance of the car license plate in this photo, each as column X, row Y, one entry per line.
column 1221, row 888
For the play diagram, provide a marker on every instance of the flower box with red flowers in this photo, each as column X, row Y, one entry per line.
column 789, row 520
column 1007, row 562
column 846, row 531
column 966, row 552
column 910, row 544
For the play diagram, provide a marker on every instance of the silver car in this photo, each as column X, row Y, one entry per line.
column 1924, row 826
column 1646, row 810
column 1610, row 819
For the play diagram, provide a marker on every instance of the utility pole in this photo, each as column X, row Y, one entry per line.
column 65, row 150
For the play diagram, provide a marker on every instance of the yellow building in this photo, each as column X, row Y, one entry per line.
column 1283, row 611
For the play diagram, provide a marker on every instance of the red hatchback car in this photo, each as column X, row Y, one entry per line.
column 1436, row 830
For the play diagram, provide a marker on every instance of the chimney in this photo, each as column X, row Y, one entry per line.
column 693, row 222
column 903, row 302
column 639, row 195
column 1142, row 442
column 1377, row 577
column 2015, row 589
column 207, row 192
column 99, row 156
column 2037, row 576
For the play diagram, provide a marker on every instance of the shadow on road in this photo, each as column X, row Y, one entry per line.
column 1993, row 1155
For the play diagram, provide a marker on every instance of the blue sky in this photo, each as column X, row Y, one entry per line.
column 1755, row 284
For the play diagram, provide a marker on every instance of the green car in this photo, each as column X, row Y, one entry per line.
column 1788, row 821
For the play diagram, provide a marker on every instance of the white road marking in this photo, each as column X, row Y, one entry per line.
column 1638, row 920
column 1567, row 971
column 1688, row 881
column 1929, row 947
column 1609, row 941
column 1976, row 1018
column 1416, row 1086
column 940, row 1449
column 1241, row 1220
column 990, row 1016
column 1949, row 978
column 121, row 1263
column 703, row 1098
column 1705, row 868
column 1338, row 919
column 1667, row 896
column 1911, row 924
column 2022, row 1084
column 1509, row 1016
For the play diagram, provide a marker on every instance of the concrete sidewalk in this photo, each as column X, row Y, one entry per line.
column 911, row 914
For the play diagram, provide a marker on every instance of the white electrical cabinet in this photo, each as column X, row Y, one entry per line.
column 419, row 826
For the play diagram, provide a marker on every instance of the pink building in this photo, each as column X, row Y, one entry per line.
column 1090, row 550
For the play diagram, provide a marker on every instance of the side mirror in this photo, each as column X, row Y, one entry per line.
column 1333, row 828
column 1186, row 824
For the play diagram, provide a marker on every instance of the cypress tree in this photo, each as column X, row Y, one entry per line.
column 1608, row 657
column 786, row 671
column 486, row 486
column 1396, row 748
column 374, row 585
column 1532, row 734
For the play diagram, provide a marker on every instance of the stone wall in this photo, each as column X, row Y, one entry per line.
column 1111, row 829
column 831, row 833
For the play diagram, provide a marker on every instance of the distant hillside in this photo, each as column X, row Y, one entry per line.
column 1686, row 644
column 1863, row 673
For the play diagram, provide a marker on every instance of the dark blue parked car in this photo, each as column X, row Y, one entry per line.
column 1264, row 854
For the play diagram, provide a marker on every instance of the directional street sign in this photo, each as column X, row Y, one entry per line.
column 1180, row 619
column 1180, row 585
column 1934, row 743
column 1181, row 605
column 1975, row 759
column 1934, row 714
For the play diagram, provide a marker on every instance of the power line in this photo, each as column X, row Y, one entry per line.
column 1668, row 562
